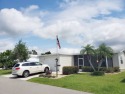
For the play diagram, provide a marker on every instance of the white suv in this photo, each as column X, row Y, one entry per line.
column 27, row 68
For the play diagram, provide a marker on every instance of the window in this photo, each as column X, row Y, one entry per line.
column 121, row 60
column 33, row 64
column 26, row 64
column 37, row 63
column 16, row 65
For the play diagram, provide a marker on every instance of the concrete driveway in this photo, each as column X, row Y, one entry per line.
column 20, row 78
column 15, row 86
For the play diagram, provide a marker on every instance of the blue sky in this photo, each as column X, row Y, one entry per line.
column 76, row 22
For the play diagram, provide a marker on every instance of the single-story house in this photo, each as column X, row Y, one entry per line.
column 118, row 60
column 71, row 60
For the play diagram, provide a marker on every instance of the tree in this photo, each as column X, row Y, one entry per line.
column 103, row 53
column 89, row 51
column 20, row 51
column 34, row 52
column 48, row 52
column 6, row 59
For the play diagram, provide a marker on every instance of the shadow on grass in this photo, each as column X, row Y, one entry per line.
column 123, row 81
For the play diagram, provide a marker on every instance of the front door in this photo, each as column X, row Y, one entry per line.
column 80, row 63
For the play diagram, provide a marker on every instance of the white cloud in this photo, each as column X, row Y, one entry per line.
column 14, row 22
column 6, row 44
column 75, row 23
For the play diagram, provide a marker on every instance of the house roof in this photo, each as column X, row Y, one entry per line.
column 59, row 54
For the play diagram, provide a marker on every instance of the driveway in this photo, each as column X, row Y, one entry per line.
column 20, row 78
column 16, row 86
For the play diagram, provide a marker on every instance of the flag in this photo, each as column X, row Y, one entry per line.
column 58, row 42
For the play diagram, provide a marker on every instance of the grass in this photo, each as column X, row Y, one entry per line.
column 108, row 84
column 3, row 72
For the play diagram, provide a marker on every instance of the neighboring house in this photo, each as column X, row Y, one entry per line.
column 70, row 60
column 119, row 60
column 34, row 58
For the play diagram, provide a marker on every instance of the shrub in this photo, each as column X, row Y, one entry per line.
column 1, row 65
column 103, row 69
column 98, row 73
column 116, row 69
column 70, row 70
column 87, row 69
column 109, row 70
column 123, row 81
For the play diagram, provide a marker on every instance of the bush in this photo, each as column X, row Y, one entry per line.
column 116, row 69
column 103, row 69
column 87, row 69
column 98, row 73
column 1, row 65
column 70, row 70
column 110, row 70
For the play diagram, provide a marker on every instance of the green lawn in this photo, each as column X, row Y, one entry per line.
column 108, row 84
column 3, row 72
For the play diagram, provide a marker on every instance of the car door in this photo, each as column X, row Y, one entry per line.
column 39, row 67
column 33, row 67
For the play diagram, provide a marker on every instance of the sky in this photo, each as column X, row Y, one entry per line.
column 76, row 22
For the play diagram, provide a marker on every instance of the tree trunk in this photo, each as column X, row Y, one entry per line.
column 106, row 62
column 91, row 63
column 100, row 63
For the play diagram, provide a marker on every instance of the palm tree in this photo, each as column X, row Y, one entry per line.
column 103, row 52
column 88, row 50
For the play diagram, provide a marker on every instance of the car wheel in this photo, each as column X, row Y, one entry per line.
column 26, row 74
column 46, row 69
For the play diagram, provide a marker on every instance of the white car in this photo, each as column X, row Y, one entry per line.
column 27, row 68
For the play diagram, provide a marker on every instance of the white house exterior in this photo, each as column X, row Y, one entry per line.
column 63, row 60
column 119, row 60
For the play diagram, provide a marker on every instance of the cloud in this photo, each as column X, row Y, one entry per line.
column 14, row 22
column 6, row 44
column 77, row 22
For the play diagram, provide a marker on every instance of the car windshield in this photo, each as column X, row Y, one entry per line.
column 16, row 65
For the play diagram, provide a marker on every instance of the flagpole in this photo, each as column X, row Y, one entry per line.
column 57, row 57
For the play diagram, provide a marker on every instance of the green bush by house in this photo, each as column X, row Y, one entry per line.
column 70, row 70
column 87, row 69
column 98, row 73
column 116, row 69
column 109, row 70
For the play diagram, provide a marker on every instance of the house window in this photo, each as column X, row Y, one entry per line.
column 121, row 60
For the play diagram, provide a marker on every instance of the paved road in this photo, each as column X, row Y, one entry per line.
column 15, row 86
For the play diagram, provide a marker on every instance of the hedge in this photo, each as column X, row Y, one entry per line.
column 116, row 69
column 87, row 69
column 109, row 70
column 70, row 70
